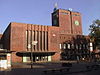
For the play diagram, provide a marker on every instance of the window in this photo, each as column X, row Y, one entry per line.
column 86, row 46
column 55, row 22
column 72, row 46
column 26, row 39
column 83, row 46
column 80, row 46
column 90, row 44
column 68, row 46
column 64, row 46
column 40, row 40
column 60, row 46
column 47, row 40
column 29, row 46
column 76, row 46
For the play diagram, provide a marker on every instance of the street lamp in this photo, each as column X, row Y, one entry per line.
column 91, row 49
column 29, row 46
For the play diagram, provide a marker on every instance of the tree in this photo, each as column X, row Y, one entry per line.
column 95, row 33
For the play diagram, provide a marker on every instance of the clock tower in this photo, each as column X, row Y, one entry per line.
column 76, row 23
column 68, row 21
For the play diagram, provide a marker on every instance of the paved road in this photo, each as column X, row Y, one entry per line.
column 39, row 72
column 38, row 68
column 93, row 72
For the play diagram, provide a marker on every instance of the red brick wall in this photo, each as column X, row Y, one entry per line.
column 63, row 20
column 0, row 38
column 54, row 42
column 65, row 30
column 56, row 57
column 17, row 37
column 76, row 29
column 15, row 58
column 53, row 36
column 66, row 21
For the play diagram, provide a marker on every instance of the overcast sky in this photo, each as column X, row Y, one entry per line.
column 39, row 11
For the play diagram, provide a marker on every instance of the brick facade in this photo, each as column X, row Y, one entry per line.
column 19, row 37
column 0, row 41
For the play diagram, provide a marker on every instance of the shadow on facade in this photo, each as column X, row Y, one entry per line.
column 76, row 49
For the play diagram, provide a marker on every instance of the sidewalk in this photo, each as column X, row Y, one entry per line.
column 38, row 68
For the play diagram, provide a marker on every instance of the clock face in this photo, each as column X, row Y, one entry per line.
column 77, row 23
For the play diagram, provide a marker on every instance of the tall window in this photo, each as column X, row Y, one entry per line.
column 64, row 46
column 60, row 46
column 47, row 40
column 72, row 46
column 40, row 40
column 69, row 46
column 26, row 40
column 76, row 46
column 80, row 46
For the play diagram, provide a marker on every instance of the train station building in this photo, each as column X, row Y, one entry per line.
column 61, row 41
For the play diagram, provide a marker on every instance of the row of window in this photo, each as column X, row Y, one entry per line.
column 75, row 52
column 74, row 46
column 36, row 40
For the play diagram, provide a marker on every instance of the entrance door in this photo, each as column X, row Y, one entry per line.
column 26, row 59
column 49, row 58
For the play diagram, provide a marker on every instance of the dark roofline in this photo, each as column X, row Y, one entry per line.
column 5, row 51
column 66, row 10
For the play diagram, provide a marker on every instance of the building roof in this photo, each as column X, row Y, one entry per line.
column 5, row 51
column 66, row 10
column 35, row 53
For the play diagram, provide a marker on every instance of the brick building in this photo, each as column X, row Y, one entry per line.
column 0, row 41
column 61, row 41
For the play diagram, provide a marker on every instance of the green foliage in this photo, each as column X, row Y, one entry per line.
column 95, row 32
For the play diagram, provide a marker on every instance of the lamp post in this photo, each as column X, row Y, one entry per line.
column 33, row 43
column 91, row 49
